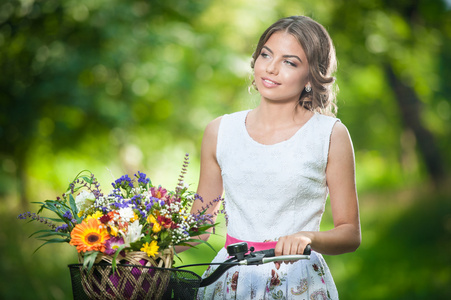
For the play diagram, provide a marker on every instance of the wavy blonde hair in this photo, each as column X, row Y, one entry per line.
column 320, row 53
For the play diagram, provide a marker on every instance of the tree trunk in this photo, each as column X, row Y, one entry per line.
column 410, row 108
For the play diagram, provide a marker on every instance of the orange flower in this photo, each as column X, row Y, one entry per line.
column 89, row 236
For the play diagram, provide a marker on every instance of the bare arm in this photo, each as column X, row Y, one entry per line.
column 210, row 180
column 340, row 175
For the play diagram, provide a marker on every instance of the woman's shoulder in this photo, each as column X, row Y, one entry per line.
column 221, row 124
column 232, row 117
column 326, row 118
column 237, row 115
column 212, row 128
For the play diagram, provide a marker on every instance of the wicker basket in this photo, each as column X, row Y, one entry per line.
column 134, row 279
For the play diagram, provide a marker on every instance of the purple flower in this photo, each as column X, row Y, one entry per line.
column 68, row 215
column 123, row 182
column 112, row 244
column 122, row 204
column 142, row 180
column 36, row 217
column 136, row 199
column 62, row 228
column 24, row 215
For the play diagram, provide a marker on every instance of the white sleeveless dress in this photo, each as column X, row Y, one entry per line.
column 273, row 191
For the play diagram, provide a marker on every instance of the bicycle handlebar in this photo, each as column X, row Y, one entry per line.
column 253, row 258
column 271, row 252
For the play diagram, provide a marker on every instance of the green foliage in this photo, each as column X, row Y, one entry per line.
column 405, row 250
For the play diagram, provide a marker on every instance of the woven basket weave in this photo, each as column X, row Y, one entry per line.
column 138, row 281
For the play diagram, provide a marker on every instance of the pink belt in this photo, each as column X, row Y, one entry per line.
column 258, row 246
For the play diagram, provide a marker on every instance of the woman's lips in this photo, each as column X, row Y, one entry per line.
column 269, row 83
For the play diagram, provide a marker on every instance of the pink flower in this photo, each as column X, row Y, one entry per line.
column 159, row 193
column 113, row 244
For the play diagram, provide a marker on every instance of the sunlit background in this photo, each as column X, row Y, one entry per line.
column 119, row 86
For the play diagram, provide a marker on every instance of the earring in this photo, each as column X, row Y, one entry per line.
column 308, row 88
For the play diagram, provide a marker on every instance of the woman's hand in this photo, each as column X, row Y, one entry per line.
column 292, row 245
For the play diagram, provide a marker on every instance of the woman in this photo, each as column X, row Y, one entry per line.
column 277, row 163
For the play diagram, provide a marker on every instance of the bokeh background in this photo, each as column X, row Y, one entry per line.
column 119, row 86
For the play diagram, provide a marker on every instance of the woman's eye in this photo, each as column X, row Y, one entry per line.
column 264, row 55
column 290, row 63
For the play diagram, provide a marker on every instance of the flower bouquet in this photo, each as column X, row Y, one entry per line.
column 136, row 224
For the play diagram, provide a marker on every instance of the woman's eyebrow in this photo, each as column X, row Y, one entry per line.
column 286, row 56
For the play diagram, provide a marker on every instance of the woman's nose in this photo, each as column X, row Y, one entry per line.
column 271, row 68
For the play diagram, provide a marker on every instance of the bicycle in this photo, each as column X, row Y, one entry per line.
column 180, row 284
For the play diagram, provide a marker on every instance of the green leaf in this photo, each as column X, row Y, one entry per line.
column 52, row 241
column 113, row 263
column 86, row 179
column 51, row 205
column 74, row 209
column 39, row 231
column 89, row 259
column 53, row 233
column 164, row 235
column 57, row 220
column 136, row 246
column 203, row 242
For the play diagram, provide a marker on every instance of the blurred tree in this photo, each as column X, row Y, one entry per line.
column 75, row 70
column 404, row 43
column 147, row 73
column 421, row 17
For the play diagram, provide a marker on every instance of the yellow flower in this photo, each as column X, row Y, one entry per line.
column 80, row 213
column 156, row 228
column 95, row 215
column 150, row 249
column 135, row 217
column 151, row 219
column 89, row 236
column 113, row 231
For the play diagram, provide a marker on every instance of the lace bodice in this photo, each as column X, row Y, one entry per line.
column 273, row 190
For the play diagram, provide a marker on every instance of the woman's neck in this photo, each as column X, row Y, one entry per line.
column 275, row 116
column 271, row 125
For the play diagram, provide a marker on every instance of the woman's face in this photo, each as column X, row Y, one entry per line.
column 281, row 70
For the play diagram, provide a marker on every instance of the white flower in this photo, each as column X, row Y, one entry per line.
column 133, row 234
column 126, row 214
column 84, row 200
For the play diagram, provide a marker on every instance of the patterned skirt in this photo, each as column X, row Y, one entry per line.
column 304, row 279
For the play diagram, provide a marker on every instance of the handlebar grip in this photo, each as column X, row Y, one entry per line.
column 271, row 252
column 268, row 253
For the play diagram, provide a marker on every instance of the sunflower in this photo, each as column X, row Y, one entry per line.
column 89, row 236
column 151, row 248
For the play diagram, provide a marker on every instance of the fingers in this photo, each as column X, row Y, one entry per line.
column 279, row 247
column 291, row 245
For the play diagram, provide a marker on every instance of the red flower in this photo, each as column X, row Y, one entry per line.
column 275, row 281
column 166, row 222
column 105, row 219
column 315, row 267
column 234, row 281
